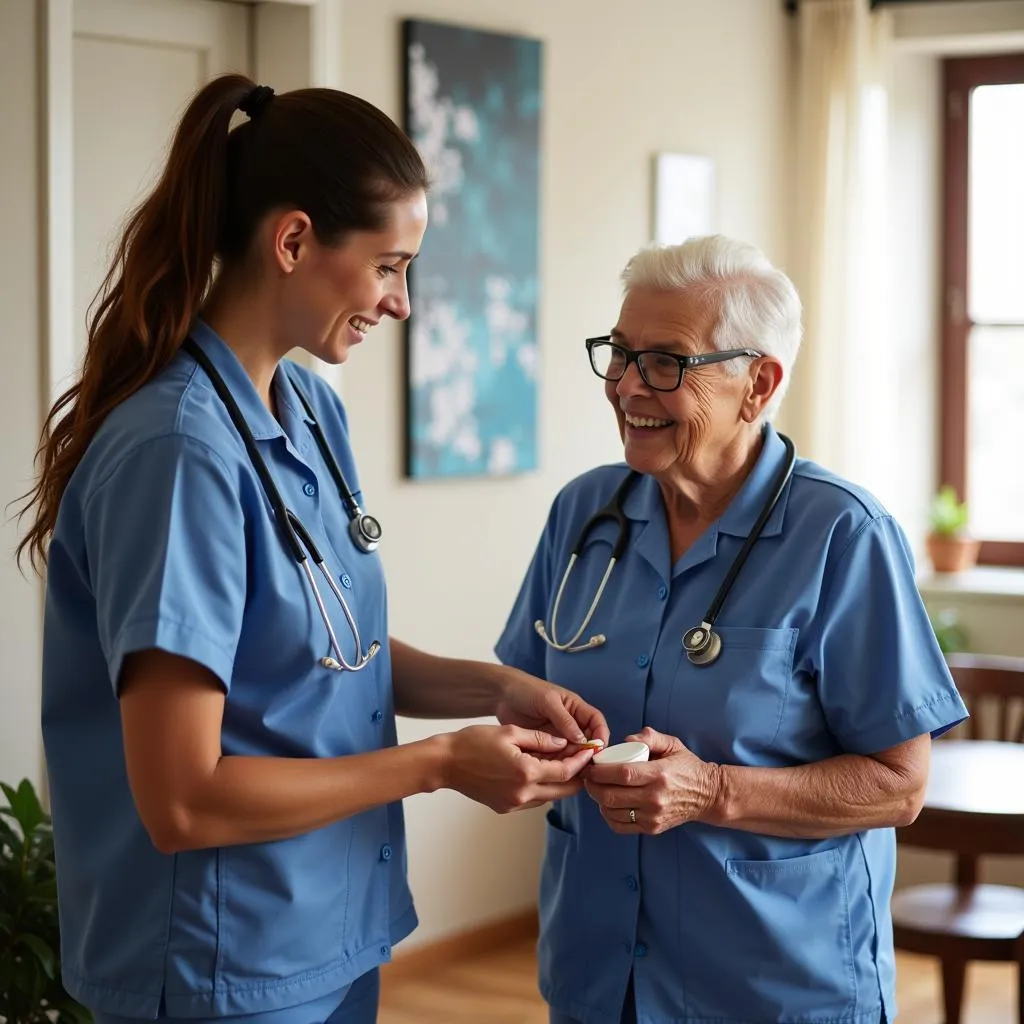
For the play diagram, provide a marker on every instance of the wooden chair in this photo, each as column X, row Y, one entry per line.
column 989, row 683
column 964, row 920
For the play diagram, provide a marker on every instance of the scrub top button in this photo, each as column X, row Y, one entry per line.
column 662, row 592
column 309, row 490
column 377, row 715
column 385, row 852
column 385, row 951
column 632, row 883
column 640, row 950
column 346, row 581
column 643, row 661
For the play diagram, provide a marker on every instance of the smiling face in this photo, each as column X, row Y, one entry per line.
column 331, row 296
column 686, row 431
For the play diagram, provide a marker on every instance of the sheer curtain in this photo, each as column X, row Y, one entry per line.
column 843, row 401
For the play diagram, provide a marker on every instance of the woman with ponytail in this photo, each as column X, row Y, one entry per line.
column 225, row 778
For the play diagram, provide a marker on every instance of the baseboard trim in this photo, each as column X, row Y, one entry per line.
column 456, row 948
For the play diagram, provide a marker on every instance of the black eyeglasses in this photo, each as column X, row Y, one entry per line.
column 660, row 370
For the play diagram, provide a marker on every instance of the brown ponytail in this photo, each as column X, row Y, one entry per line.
column 331, row 154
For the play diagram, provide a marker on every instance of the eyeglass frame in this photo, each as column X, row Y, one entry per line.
column 684, row 362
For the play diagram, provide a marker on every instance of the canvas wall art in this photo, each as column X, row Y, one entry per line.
column 684, row 203
column 473, row 108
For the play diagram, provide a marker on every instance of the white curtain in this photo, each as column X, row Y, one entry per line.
column 843, row 401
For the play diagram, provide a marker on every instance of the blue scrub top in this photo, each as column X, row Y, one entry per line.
column 826, row 649
column 166, row 540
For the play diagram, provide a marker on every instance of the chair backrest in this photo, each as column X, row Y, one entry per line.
column 996, row 681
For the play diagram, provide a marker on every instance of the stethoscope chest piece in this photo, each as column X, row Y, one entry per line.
column 365, row 531
column 702, row 644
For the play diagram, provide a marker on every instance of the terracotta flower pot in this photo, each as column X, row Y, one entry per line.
column 952, row 553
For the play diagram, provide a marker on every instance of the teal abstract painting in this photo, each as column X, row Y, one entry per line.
column 473, row 108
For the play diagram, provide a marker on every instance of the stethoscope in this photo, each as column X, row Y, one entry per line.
column 364, row 530
column 701, row 643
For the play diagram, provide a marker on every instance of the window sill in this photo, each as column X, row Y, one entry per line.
column 986, row 582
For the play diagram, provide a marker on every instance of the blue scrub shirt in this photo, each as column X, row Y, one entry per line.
column 166, row 540
column 826, row 649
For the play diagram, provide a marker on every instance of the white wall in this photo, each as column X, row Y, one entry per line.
column 620, row 83
column 970, row 26
column 20, row 383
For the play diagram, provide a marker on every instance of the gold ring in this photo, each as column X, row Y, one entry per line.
column 632, row 815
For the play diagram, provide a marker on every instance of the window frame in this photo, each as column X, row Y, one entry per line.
column 961, row 75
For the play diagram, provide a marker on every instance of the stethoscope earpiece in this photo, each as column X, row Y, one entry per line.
column 597, row 640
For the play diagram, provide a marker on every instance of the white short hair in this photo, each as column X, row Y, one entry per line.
column 758, row 306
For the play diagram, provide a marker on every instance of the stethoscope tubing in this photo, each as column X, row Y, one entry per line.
column 297, row 538
column 701, row 643
column 612, row 510
column 752, row 538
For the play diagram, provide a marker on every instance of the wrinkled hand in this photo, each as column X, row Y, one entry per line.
column 536, row 704
column 509, row 768
column 674, row 787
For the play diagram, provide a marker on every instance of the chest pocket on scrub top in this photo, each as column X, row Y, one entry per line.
column 732, row 709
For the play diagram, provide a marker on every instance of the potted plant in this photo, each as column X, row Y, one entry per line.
column 30, row 987
column 949, row 632
column 949, row 546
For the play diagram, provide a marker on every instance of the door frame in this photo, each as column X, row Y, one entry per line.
column 313, row 59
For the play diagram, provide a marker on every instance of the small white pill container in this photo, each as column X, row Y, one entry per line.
column 623, row 753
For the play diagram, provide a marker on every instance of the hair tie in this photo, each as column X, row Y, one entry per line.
column 256, row 101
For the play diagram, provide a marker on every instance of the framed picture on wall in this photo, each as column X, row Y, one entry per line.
column 473, row 107
column 684, row 197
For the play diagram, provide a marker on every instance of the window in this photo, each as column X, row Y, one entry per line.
column 982, row 401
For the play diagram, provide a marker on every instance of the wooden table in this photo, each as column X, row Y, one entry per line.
column 974, row 803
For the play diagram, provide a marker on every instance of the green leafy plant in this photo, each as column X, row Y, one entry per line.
column 30, row 987
column 948, row 514
column 948, row 631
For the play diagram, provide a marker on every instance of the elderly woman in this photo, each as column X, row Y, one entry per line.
column 744, row 873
